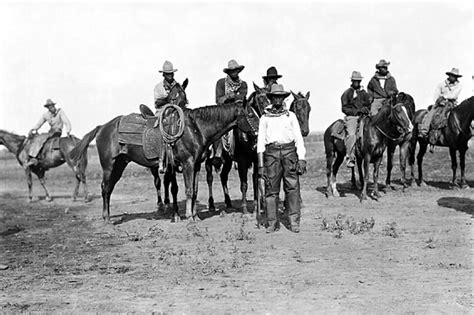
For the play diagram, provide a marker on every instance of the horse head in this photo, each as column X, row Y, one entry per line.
column 258, row 100
column 400, row 118
column 301, row 107
column 247, row 119
column 177, row 95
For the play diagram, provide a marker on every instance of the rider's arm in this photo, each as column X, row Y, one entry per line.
column 220, row 92
column 453, row 94
column 346, row 102
column 39, row 123
column 242, row 94
column 392, row 86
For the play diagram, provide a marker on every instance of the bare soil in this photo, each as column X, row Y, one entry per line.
column 409, row 252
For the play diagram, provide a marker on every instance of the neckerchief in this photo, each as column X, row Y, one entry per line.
column 231, row 85
column 450, row 85
column 378, row 76
column 168, row 86
column 276, row 112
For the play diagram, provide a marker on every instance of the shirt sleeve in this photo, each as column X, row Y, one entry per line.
column 437, row 93
column 262, row 134
column 453, row 94
column 65, row 120
column 220, row 92
column 243, row 91
column 300, row 148
column 159, row 91
column 40, row 122
column 346, row 102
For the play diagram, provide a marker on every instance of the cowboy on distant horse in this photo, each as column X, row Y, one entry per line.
column 446, row 94
column 281, row 157
column 163, row 88
column 381, row 86
column 355, row 103
column 228, row 90
column 57, row 119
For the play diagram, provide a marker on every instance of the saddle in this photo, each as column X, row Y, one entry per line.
column 135, row 129
column 439, row 121
column 339, row 130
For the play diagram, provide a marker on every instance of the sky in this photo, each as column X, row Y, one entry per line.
column 101, row 60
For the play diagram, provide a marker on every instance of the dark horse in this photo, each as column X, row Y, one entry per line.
column 391, row 122
column 52, row 158
column 404, row 142
column 245, row 153
column 455, row 135
column 202, row 126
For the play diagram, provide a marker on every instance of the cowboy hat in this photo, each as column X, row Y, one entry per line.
column 382, row 63
column 454, row 72
column 272, row 73
column 233, row 65
column 356, row 76
column 168, row 67
column 49, row 102
column 278, row 90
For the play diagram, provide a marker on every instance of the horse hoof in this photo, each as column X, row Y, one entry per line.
column 423, row 184
column 176, row 218
column 329, row 196
column 465, row 186
column 48, row 199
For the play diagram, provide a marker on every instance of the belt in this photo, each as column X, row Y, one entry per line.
column 277, row 145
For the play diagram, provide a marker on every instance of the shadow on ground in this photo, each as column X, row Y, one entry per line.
column 465, row 205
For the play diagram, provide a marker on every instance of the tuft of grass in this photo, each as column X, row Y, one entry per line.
column 390, row 229
column 341, row 223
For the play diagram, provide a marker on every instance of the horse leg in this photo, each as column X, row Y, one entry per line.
column 419, row 159
column 195, row 191
column 243, row 169
column 224, row 178
column 335, row 169
column 454, row 164
column 109, row 178
column 174, row 191
column 462, row 164
column 359, row 169
column 411, row 147
column 188, row 175
column 329, row 160
column 255, row 186
column 404, row 149
column 210, row 179
column 375, row 193
column 390, row 152
column 29, row 181
column 366, row 177
column 40, row 175
column 156, row 180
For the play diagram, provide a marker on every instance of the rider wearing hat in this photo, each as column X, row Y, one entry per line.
column 281, row 156
column 381, row 86
column 163, row 88
column 355, row 103
column 57, row 119
column 271, row 78
column 446, row 94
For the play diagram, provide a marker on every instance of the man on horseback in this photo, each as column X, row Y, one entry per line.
column 381, row 86
column 229, row 90
column 163, row 88
column 281, row 156
column 57, row 119
column 446, row 95
column 355, row 103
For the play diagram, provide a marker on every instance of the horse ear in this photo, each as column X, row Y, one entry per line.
column 185, row 84
column 307, row 96
column 294, row 95
column 256, row 87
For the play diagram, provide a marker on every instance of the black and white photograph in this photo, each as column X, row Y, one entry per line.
column 236, row 157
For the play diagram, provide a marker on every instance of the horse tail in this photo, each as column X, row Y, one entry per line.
column 80, row 149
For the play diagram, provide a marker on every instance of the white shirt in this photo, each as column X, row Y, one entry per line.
column 281, row 129
column 448, row 90
column 160, row 91
column 382, row 83
column 55, row 121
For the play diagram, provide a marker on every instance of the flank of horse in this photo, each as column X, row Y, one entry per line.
column 390, row 124
column 245, row 153
column 455, row 136
column 53, row 158
column 202, row 126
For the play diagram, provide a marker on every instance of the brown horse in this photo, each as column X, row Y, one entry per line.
column 455, row 135
column 404, row 143
column 245, row 153
column 52, row 158
column 391, row 122
column 202, row 126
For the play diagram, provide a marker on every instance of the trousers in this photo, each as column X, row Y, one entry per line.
column 34, row 145
column 280, row 162
column 376, row 106
column 350, row 123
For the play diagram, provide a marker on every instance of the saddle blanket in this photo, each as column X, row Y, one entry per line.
column 136, row 130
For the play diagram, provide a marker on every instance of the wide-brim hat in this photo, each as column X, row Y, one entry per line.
column 356, row 76
column 272, row 73
column 278, row 90
column 168, row 67
column 455, row 72
column 233, row 65
column 49, row 102
column 382, row 63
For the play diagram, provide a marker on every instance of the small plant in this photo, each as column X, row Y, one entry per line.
column 341, row 223
column 390, row 229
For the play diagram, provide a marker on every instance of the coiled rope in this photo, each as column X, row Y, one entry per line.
column 173, row 135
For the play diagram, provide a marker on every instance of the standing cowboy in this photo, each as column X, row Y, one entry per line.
column 57, row 119
column 228, row 90
column 381, row 87
column 281, row 156
column 355, row 103
column 270, row 79
column 446, row 94
column 163, row 88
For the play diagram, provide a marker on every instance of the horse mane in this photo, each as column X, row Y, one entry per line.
column 213, row 112
column 12, row 134
column 408, row 103
column 382, row 115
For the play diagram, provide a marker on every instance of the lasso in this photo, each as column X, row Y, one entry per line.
column 169, row 138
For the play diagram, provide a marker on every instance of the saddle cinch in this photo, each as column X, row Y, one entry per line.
column 143, row 129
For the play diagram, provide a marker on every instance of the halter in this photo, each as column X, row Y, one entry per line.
column 252, row 126
column 402, row 135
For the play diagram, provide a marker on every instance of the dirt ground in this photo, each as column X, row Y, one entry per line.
column 410, row 252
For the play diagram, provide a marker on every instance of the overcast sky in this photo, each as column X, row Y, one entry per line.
column 98, row 61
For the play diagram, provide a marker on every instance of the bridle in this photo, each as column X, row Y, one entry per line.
column 402, row 134
column 249, row 122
